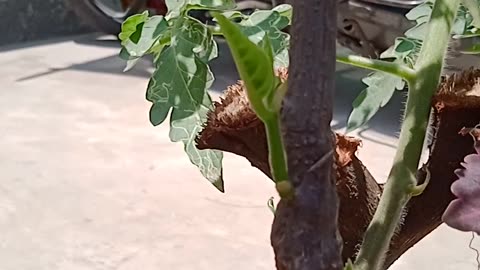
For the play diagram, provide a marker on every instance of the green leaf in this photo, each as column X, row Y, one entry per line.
column 381, row 86
column 285, row 10
column 233, row 14
column 405, row 46
column 266, row 45
column 136, row 43
column 175, row 8
column 129, row 26
column 178, row 7
column 179, row 84
column 422, row 10
column 378, row 93
column 269, row 22
column 473, row 7
column 460, row 24
column 253, row 65
column 211, row 4
column 417, row 32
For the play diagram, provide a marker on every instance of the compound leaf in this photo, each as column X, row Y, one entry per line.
column 381, row 86
column 379, row 91
column 180, row 84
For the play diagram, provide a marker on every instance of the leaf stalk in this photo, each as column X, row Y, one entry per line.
column 392, row 68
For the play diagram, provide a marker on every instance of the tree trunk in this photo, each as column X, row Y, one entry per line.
column 304, row 231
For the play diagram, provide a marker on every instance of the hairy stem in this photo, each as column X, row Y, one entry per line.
column 401, row 180
column 378, row 65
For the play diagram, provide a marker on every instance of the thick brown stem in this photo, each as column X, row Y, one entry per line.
column 304, row 232
column 233, row 127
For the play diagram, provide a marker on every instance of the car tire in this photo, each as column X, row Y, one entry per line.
column 90, row 14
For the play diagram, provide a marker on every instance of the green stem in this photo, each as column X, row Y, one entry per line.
column 276, row 152
column 215, row 30
column 398, row 189
column 378, row 65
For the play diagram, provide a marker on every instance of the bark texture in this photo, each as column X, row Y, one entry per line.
column 304, row 232
column 233, row 127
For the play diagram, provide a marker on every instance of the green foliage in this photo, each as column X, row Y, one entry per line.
column 270, row 23
column 141, row 35
column 369, row 101
column 381, row 86
column 181, row 89
column 182, row 48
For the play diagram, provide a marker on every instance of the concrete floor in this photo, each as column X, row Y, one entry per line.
column 87, row 183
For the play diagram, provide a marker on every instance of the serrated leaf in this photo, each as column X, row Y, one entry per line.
column 422, row 10
column 381, row 86
column 148, row 31
column 379, row 91
column 463, row 213
column 179, row 84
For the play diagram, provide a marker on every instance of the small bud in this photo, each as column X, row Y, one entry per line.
column 285, row 189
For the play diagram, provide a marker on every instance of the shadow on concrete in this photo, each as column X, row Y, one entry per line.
column 348, row 81
column 44, row 42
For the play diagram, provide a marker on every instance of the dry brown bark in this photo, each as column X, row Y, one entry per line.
column 233, row 127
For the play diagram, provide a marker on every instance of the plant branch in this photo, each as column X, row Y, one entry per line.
column 401, row 179
column 396, row 69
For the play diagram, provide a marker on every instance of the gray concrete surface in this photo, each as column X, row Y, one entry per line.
column 30, row 20
column 87, row 183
